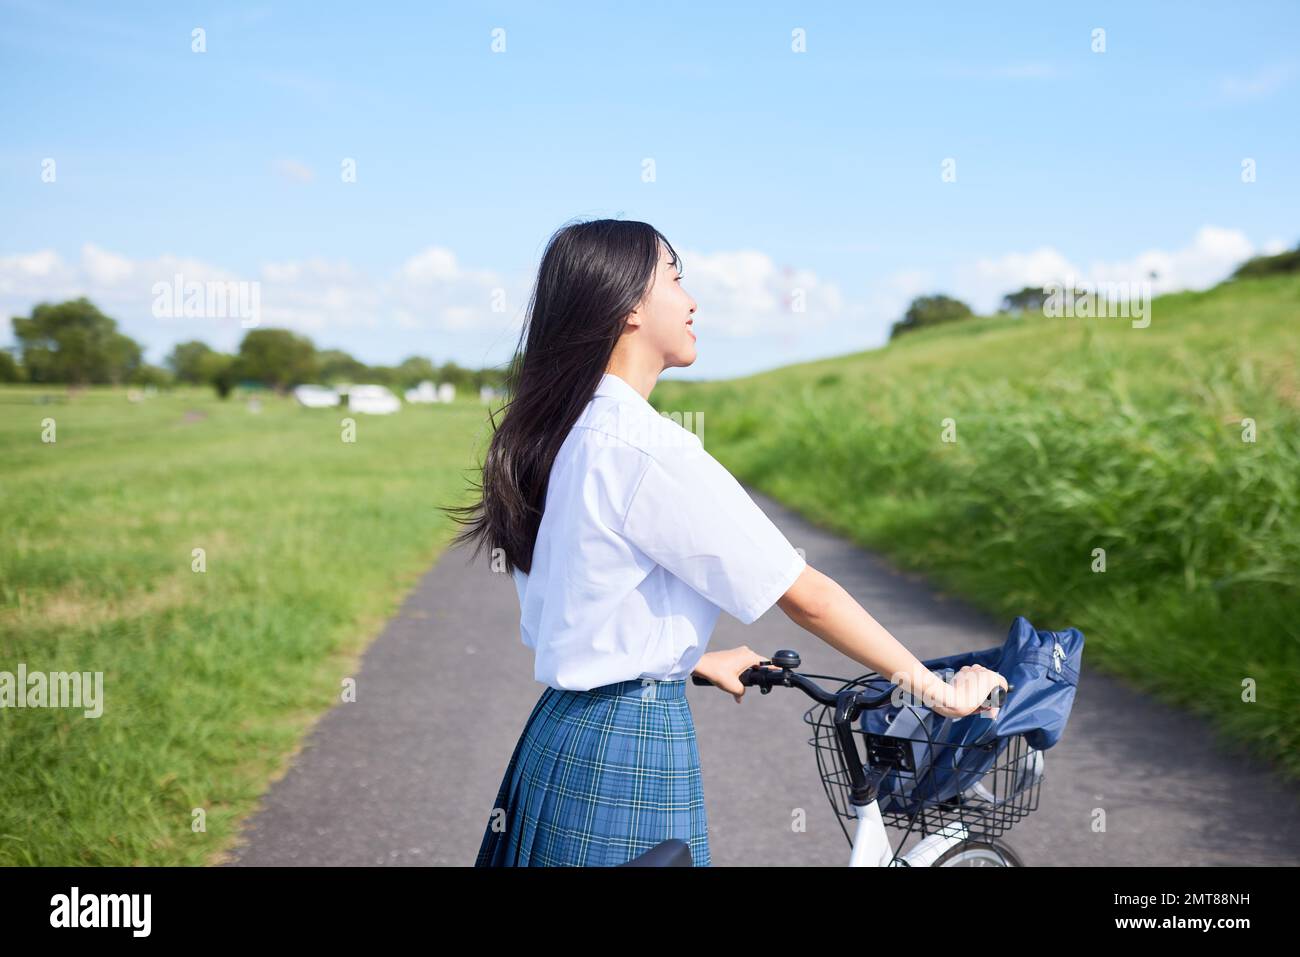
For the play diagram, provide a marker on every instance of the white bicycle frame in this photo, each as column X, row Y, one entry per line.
column 872, row 847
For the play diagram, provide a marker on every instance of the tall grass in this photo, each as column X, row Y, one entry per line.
column 1071, row 436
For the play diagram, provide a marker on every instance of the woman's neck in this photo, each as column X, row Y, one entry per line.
column 642, row 379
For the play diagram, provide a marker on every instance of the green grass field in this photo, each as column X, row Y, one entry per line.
column 211, row 678
column 1071, row 435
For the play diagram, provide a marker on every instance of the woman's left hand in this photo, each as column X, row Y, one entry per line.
column 724, row 668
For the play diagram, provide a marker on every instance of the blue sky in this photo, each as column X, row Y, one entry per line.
column 774, row 170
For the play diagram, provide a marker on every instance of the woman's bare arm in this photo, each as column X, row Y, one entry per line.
column 821, row 606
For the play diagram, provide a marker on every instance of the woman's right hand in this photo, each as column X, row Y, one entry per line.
column 724, row 668
column 971, row 686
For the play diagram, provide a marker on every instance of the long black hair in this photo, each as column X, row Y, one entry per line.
column 591, row 276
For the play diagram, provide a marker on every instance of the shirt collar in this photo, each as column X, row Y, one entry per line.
column 616, row 388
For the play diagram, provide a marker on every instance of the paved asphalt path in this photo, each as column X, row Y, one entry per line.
column 407, row 774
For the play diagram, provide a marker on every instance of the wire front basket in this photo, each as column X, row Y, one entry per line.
column 914, row 775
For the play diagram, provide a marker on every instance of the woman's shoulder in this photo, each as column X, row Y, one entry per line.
column 619, row 425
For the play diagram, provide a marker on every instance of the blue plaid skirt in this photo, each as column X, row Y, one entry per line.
column 599, row 777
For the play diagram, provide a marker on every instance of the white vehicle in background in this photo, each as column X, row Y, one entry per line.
column 427, row 392
column 373, row 400
column 316, row 396
column 423, row 393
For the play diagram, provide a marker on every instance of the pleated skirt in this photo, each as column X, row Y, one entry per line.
column 599, row 777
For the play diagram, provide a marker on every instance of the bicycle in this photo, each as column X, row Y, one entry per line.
column 859, row 767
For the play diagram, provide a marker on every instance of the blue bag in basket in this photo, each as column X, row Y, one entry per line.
column 1043, row 669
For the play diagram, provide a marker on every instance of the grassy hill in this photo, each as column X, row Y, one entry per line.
column 1071, row 435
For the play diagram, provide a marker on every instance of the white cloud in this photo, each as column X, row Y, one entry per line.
column 1209, row 258
column 458, row 317
column 105, row 267
column 744, row 293
column 428, row 294
column 431, row 299
column 294, row 171
column 431, row 265
column 281, row 272
column 35, row 276
column 984, row 282
column 43, row 263
column 1263, row 82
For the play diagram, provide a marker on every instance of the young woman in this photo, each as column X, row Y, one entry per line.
column 626, row 540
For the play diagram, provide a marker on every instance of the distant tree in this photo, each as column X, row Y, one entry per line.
column 414, row 370
column 153, row 375
column 1028, row 299
column 74, row 342
column 186, row 361
column 335, row 366
column 277, row 358
column 930, row 311
column 10, row 370
column 378, row 375
column 458, row 376
column 493, row 377
column 1284, row 262
column 220, row 370
column 124, row 356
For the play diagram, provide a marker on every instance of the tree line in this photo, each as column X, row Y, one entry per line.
column 74, row 343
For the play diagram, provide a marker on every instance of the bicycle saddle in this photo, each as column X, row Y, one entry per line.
column 669, row 853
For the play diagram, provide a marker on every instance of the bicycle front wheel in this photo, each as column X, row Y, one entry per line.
column 978, row 854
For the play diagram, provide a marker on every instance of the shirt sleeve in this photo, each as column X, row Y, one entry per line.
column 690, row 515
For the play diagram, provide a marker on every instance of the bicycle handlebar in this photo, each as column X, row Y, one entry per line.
column 765, row 678
column 847, row 705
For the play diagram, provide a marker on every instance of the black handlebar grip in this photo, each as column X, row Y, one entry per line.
column 746, row 677
column 997, row 696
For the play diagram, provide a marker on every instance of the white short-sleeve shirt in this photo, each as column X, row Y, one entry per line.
column 645, row 537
